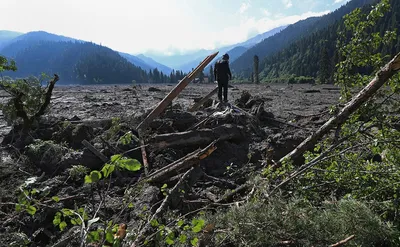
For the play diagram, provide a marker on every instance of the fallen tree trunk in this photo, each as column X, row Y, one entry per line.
column 180, row 165
column 198, row 137
column 365, row 94
column 175, row 92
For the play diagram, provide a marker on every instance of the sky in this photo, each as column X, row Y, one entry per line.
column 158, row 26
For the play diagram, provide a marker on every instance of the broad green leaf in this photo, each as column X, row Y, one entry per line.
column 154, row 223
column 197, row 225
column 18, row 207
column 94, row 236
column 57, row 219
column 107, row 170
column 115, row 158
column 169, row 240
column 132, row 165
column 67, row 212
column 95, row 176
column 109, row 237
column 55, row 198
column 182, row 238
column 180, row 223
column 88, row 179
column 63, row 225
column 31, row 210
column 194, row 241
column 130, row 205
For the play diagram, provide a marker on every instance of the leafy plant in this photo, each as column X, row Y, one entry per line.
column 117, row 162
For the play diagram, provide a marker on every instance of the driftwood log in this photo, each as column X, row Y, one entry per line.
column 198, row 137
column 181, row 165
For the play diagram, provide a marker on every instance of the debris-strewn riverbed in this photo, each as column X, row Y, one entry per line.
column 215, row 148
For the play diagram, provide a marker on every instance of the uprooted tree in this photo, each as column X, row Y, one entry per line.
column 29, row 100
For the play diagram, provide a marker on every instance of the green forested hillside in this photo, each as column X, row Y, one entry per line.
column 315, row 55
column 243, row 65
column 78, row 62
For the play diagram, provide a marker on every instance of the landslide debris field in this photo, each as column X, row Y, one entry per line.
column 266, row 122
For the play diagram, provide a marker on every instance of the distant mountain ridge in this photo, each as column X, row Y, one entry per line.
column 189, row 61
column 12, row 42
column 155, row 64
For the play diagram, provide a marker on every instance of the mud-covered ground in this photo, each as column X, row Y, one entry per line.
column 290, row 113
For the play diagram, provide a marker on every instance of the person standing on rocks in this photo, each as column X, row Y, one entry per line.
column 222, row 74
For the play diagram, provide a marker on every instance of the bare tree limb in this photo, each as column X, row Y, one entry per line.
column 343, row 242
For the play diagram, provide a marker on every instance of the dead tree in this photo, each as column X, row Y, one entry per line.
column 19, row 104
column 256, row 64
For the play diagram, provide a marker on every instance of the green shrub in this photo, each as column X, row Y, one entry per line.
column 270, row 223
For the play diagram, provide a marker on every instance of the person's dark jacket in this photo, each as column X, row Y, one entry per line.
column 222, row 71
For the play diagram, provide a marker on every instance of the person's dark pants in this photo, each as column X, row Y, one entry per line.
column 223, row 84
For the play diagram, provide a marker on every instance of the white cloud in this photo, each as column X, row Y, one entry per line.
column 244, row 7
column 248, row 26
column 288, row 3
column 266, row 12
column 136, row 26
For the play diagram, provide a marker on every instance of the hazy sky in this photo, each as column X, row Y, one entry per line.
column 170, row 26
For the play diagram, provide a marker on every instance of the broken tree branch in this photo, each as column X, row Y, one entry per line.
column 198, row 137
column 365, row 94
column 95, row 151
column 48, row 96
column 180, row 165
column 203, row 100
column 144, row 155
column 175, row 92
column 343, row 242
column 164, row 205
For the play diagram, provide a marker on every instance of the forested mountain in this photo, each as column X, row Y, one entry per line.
column 242, row 66
column 22, row 42
column 315, row 55
column 81, row 62
column 74, row 60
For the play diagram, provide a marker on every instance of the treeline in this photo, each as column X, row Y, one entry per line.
column 315, row 56
column 81, row 62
